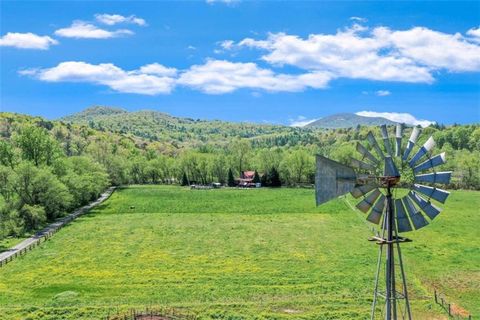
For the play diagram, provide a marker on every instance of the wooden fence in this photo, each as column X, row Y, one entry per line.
column 453, row 311
column 151, row 314
column 46, row 233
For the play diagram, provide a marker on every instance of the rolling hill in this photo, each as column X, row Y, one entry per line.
column 188, row 132
column 348, row 120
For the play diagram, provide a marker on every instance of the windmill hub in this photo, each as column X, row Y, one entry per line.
column 389, row 181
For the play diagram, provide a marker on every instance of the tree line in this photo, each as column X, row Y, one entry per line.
column 47, row 168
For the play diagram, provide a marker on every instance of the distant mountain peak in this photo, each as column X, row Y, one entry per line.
column 347, row 120
column 96, row 111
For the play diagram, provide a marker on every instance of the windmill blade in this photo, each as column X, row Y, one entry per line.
column 362, row 190
column 418, row 220
column 411, row 142
column 366, row 154
column 398, row 139
column 403, row 224
column 376, row 214
column 361, row 165
column 426, row 206
column 430, row 163
column 386, row 140
column 373, row 142
column 390, row 170
column 435, row 177
column 430, row 192
column 332, row 179
column 422, row 151
column 368, row 201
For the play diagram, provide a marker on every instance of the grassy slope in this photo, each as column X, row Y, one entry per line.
column 225, row 253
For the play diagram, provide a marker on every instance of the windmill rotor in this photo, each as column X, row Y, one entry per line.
column 383, row 167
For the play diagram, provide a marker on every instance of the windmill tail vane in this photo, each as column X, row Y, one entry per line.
column 374, row 178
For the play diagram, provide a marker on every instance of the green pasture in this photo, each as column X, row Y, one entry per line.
column 236, row 254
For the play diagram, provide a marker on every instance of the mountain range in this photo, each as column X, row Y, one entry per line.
column 101, row 114
column 178, row 132
column 348, row 120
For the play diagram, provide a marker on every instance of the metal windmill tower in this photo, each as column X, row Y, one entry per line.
column 376, row 179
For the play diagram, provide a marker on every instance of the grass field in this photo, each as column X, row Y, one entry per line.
column 236, row 254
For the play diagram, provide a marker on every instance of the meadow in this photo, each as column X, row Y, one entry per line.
column 236, row 254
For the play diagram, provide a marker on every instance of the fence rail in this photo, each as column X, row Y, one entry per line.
column 151, row 314
column 44, row 234
column 452, row 310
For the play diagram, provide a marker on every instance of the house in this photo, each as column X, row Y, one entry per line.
column 246, row 179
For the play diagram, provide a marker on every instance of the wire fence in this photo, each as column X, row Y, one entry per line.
column 454, row 311
column 151, row 314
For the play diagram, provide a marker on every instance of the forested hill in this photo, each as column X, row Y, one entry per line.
column 348, row 120
column 185, row 132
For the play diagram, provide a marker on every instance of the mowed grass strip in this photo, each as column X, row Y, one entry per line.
column 232, row 254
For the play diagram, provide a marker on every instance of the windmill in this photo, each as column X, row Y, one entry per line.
column 378, row 179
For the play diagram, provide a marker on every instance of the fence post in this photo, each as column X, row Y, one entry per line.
column 449, row 310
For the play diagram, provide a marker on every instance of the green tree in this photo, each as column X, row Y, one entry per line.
column 256, row 177
column 298, row 163
column 240, row 149
column 36, row 145
column 230, row 179
column 184, row 180
column 8, row 155
column 39, row 186
column 274, row 178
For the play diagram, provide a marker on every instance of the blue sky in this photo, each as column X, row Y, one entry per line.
column 276, row 62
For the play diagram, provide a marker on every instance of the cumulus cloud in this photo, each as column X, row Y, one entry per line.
column 475, row 34
column 148, row 81
column 433, row 49
column 227, row 44
column 212, row 77
column 359, row 19
column 221, row 76
column 82, row 29
column 406, row 118
column 158, row 70
column 27, row 41
column 381, row 54
column 112, row 19
column 383, row 93
column 301, row 121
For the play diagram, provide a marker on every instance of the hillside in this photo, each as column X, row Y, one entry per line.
column 184, row 132
column 348, row 120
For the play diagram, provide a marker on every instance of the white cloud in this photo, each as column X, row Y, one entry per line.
column 301, row 121
column 136, row 81
column 27, row 41
column 433, row 49
column 381, row 54
column 220, row 76
column 112, row 19
column 383, row 93
column 406, row 118
column 475, row 34
column 359, row 19
column 158, row 70
column 82, row 29
column 227, row 44
column 345, row 54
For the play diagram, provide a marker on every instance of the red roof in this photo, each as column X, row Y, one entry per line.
column 248, row 175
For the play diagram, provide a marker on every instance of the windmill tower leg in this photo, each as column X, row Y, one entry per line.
column 393, row 308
